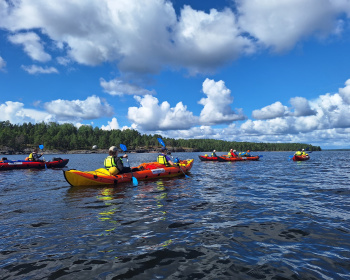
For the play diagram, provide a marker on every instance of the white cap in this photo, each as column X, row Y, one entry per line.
column 302, row 149
column 234, row 150
column 113, row 149
column 214, row 151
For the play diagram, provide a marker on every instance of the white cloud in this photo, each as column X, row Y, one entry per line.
column 281, row 24
column 272, row 111
column 17, row 114
column 207, row 40
column 152, row 116
column 113, row 124
column 118, row 87
column 146, row 36
column 301, row 107
column 34, row 69
column 217, row 105
column 31, row 44
column 345, row 92
column 76, row 110
column 2, row 64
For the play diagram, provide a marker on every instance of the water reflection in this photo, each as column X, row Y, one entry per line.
column 269, row 219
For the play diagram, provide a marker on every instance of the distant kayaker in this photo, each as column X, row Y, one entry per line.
column 246, row 154
column 34, row 156
column 303, row 153
column 232, row 153
column 163, row 158
column 3, row 159
column 117, row 161
column 213, row 154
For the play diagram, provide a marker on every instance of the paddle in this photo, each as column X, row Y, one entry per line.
column 162, row 143
column 41, row 147
column 134, row 180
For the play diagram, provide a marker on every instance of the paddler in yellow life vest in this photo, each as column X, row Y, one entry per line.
column 298, row 153
column 232, row 153
column 113, row 160
column 34, row 156
column 163, row 158
column 213, row 154
column 303, row 153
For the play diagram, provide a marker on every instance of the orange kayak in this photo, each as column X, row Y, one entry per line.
column 226, row 158
column 25, row 164
column 301, row 158
column 206, row 158
column 149, row 170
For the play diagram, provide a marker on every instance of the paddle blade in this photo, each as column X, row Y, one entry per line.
column 161, row 142
column 123, row 147
column 134, row 181
column 260, row 156
column 41, row 147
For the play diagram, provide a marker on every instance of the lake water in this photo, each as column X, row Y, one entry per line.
column 267, row 219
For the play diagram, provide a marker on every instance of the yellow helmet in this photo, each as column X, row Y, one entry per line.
column 113, row 170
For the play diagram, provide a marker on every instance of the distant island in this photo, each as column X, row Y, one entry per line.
column 66, row 138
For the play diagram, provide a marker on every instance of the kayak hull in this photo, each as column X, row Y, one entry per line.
column 301, row 158
column 204, row 158
column 226, row 158
column 102, row 177
column 24, row 164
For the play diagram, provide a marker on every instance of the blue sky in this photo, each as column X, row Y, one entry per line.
column 244, row 70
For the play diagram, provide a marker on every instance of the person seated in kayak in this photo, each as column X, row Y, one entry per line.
column 303, row 153
column 163, row 157
column 34, row 156
column 246, row 154
column 232, row 153
column 113, row 160
column 213, row 154
column 298, row 153
column 3, row 159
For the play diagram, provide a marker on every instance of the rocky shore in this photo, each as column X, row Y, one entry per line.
column 9, row 151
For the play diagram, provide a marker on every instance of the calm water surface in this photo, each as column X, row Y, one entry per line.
column 267, row 219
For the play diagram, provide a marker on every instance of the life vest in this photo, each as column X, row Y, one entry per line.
column 298, row 153
column 31, row 158
column 109, row 162
column 162, row 160
column 231, row 154
column 213, row 154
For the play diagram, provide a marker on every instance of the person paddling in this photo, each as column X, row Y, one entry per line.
column 232, row 153
column 246, row 154
column 163, row 158
column 34, row 156
column 213, row 154
column 113, row 160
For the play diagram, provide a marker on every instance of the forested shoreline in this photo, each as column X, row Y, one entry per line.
column 67, row 137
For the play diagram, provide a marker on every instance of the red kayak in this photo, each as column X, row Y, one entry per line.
column 301, row 158
column 226, row 158
column 207, row 158
column 25, row 164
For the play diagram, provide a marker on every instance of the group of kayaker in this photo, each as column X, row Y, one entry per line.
column 233, row 153
column 114, row 163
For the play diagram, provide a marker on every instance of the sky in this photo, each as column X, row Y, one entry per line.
column 274, row 71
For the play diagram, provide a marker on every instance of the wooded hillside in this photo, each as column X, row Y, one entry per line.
column 68, row 137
